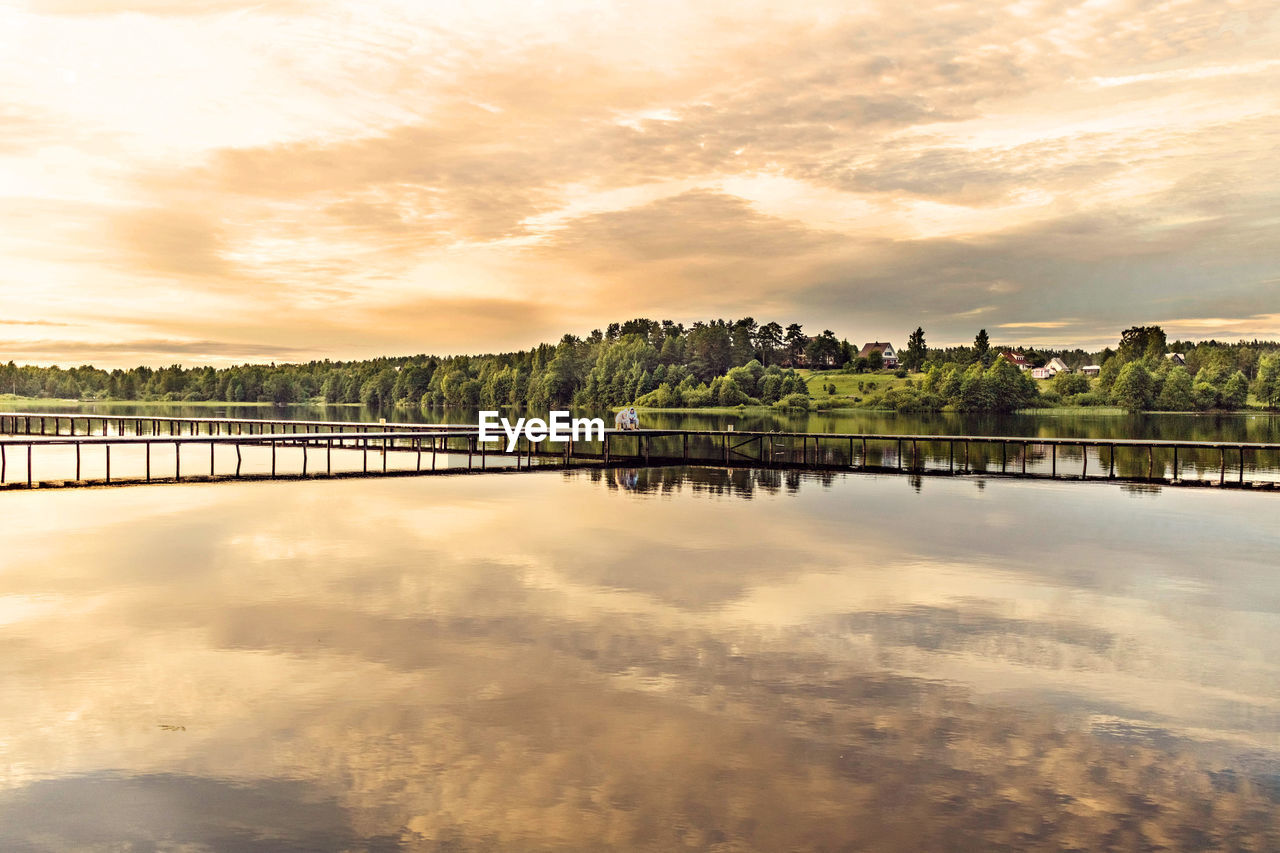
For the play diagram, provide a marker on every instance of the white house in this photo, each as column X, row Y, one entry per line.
column 1091, row 370
column 1057, row 365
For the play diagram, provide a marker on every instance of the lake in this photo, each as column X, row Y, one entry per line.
column 640, row 659
column 1207, row 465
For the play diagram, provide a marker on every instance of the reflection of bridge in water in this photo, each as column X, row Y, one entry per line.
column 44, row 450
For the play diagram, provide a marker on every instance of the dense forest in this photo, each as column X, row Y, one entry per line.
column 626, row 361
column 664, row 364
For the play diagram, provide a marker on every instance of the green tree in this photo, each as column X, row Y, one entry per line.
column 1267, row 387
column 1205, row 396
column 1176, row 395
column 1142, row 341
column 1134, row 388
column 1235, row 393
column 1066, row 384
column 916, row 351
column 769, row 342
column 981, row 346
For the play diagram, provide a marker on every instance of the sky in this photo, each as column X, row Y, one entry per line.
column 214, row 181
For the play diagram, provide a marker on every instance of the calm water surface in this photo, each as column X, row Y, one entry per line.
column 652, row 660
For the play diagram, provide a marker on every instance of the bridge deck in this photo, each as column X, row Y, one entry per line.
column 268, row 448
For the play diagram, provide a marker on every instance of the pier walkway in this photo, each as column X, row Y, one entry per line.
column 41, row 450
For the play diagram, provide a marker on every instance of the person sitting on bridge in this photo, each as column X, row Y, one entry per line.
column 626, row 419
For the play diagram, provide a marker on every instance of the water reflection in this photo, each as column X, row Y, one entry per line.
column 740, row 482
column 562, row 661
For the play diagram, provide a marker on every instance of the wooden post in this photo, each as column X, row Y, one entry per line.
column 304, row 459
column 273, row 460
column 77, row 463
column 1222, row 472
column 328, row 456
column 364, row 455
column 1242, row 465
column 211, row 466
column 1111, row 462
column 1084, row 452
column 1151, row 461
column 471, row 449
column 4, row 463
column 177, row 461
column 148, row 446
column 915, row 456
column 384, row 455
column 1024, row 457
column 863, row 462
column 1004, row 460
column 433, row 453
column 107, row 446
column 606, row 453
column 966, row 457
column 686, row 447
column 417, row 446
column 1175, row 462
column 1053, row 472
column 237, row 458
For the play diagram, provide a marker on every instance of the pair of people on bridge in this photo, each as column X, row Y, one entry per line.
column 627, row 419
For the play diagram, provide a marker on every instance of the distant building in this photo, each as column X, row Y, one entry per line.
column 1176, row 358
column 886, row 350
column 1050, row 370
column 1091, row 370
column 1018, row 359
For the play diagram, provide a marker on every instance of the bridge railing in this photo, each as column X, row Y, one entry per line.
column 30, row 459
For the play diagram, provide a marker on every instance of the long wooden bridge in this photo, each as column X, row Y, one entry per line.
column 41, row 450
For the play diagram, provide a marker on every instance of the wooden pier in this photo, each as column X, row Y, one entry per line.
column 44, row 450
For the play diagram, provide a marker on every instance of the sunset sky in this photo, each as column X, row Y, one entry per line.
column 214, row 181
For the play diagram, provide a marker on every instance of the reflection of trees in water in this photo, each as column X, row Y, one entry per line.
column 741, row 482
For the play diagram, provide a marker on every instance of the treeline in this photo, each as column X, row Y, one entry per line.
column 1139, row 374
column 623, row 363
